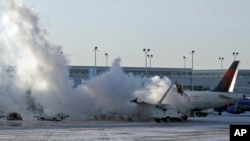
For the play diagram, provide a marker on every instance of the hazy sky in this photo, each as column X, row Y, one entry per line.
column 171, row 29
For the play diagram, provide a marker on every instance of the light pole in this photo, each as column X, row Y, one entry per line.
column 146, row 51
column 106, row 54
column 150, row 56
column 95, row 49
column 235, row 54
column 9, row 57
column 221, row 62
column 192, row 68
column 184, row 58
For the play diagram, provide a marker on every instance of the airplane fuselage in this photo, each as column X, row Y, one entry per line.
column 201, row 100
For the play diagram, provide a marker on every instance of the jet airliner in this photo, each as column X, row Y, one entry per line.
column 192, row 101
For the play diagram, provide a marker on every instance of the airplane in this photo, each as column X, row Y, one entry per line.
column 187, row 102
column 239, row 107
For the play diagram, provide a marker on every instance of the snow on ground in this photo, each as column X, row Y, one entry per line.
column 209, row 128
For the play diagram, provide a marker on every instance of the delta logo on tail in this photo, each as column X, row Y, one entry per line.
column 227, row 83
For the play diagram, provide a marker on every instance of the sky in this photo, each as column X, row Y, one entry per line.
column 171, row 29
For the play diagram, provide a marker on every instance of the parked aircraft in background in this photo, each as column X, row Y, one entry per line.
column 241, row 106
column 195, row 101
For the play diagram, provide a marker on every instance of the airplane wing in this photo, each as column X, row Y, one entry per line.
column 140, row 102
column 160, row 101
column 247, row 97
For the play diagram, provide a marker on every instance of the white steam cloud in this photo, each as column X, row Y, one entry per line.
column 35, row 78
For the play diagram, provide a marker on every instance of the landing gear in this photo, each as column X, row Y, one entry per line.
column 185, row 117
column 200, row 114
column 157, row 120
column 181, row 119
column 167, row 119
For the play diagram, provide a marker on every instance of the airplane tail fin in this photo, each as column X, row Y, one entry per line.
column 228, row 81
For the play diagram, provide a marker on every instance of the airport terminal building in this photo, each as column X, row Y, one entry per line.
column 198, row 79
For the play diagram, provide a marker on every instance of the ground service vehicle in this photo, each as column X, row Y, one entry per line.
column 14, row 116
column 58, row 117
column 165, row 113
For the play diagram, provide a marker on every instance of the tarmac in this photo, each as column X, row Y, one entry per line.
column 210, row 128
